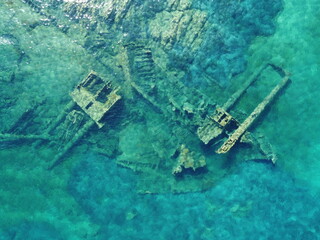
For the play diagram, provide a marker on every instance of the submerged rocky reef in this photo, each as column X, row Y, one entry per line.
column 203, row 41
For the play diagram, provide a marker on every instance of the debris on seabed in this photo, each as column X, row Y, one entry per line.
column 188, row 160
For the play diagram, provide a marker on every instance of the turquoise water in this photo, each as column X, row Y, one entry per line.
column 48, row 46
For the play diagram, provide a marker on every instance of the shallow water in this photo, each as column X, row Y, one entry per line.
column 45, row 52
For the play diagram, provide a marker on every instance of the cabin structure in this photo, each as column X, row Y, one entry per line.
column 95, row 97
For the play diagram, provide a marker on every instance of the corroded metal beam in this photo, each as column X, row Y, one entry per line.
column 235, row 136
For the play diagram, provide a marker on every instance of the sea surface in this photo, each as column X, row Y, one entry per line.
column 102, row 187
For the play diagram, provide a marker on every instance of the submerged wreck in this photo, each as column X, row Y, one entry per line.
column 176, row 138
column 184, row 166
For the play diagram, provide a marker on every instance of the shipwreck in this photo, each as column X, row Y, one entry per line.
column 176, row 138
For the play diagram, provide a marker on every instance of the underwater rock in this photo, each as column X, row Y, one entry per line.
column 233, row 25
column 201, row 41
column 178, row 4
column 209, row 39
column 10, row 56
column 179, row 27
column 112, row 10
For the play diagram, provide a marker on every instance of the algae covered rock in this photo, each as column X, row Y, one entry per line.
column 178, row 4
column 111, row 10
column 10, row 56
column 209, row 39
column 179, row 27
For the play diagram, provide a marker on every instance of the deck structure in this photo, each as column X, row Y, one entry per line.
column 236, row 135
column 95, row 97
column 214, row 125
column 222, row 122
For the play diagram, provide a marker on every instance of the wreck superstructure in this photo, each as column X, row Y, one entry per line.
column 95, row 97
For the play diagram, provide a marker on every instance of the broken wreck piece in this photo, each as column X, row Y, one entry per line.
column 95, row 97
